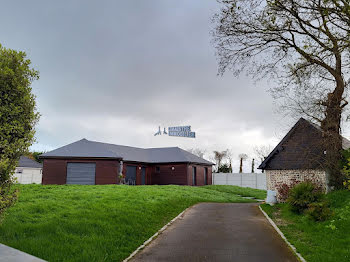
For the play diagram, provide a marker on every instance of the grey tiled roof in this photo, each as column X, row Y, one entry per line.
column 301, row 148
column 27, row 162
column 345, row 141
column 86, row 148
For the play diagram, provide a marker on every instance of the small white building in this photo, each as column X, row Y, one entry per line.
column 28, row 171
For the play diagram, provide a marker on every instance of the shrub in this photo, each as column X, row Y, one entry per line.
column 283, row 191
column 8, row 196
column 302, row 195
column 319, row 211
column 224, row 168
column 345, row 165
column 18, row 116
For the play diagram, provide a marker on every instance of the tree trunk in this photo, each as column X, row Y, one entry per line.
column 332, row 138
column 241, row 165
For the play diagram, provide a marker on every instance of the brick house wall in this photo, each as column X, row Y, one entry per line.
column 275, row 178
column 199, row 175
column 55, row 171
column 107, row 172
column 167, row 175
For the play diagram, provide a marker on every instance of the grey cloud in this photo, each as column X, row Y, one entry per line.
column 114, row 70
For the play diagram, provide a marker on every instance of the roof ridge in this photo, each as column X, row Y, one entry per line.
column 110, row 151
column 113, row 144
column 161, row 147
column 183, row 152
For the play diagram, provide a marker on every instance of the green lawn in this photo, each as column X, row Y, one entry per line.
column 317, row 241
column 98, row 223
column 243, row 191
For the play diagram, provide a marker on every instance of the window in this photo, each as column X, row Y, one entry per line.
column 157, row 169
column 205, row 176
column 194, row 176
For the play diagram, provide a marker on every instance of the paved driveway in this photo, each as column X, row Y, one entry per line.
column 9, row 254
column 219, row 232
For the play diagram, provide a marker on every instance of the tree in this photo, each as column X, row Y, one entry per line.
column 219, row 156
column 242, row 157
column 262, row 152
column 305, row 46
column 197, row 151
column 224, row 168
column 35, row 155
column 18, row 115
column 229, row 155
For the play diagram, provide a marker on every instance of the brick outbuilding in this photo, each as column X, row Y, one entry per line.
column 90, row 162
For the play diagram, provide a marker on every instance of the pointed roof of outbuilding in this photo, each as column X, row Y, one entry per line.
column 301, row 148
column 27, row 162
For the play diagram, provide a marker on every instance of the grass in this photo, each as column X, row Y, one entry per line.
column 97, row 223
column 317, row 241
column 243, row 191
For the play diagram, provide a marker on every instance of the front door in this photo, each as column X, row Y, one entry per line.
column 130, row 177
column 194, row 176
column 143, row 176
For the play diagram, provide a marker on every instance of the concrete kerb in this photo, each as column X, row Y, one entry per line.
column 154, row 236
column 282, row 235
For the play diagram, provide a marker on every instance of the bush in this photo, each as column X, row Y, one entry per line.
column 8, row 196
column 224, row 168
column 302, row 195
column 283, row 191
column 18, row 117
column 319, row 211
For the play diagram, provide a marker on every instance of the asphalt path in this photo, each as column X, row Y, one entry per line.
column 219, row 232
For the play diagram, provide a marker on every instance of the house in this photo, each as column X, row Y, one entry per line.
column 298, row 157
column 89, row 162
column 28, row 171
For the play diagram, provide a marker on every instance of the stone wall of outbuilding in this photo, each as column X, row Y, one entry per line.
column 275, row 178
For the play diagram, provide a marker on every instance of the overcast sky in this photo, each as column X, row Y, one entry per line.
column 113, row 71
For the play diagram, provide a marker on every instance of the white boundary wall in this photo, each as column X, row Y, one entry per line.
column 26, row 175
column 252, row 180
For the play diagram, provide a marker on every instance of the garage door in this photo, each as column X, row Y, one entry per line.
column 81, row 173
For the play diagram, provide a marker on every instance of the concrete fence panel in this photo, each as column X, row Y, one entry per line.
column 252, row 180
